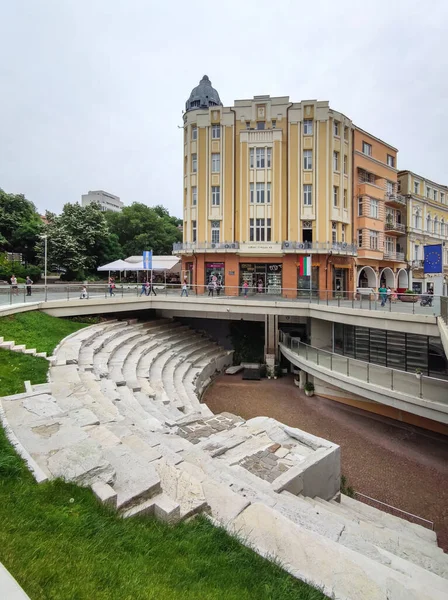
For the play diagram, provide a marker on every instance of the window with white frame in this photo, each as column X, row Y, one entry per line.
column 336, row 161
column 416, row 187
column 260, row 193
column 373, row 240
column 390, row 244
column 374, row 208
column 216, row 163
column 346, row 133
column 416, row 251
column 216, row 195
column 307, row 159
column 307, row 127
column 334, row 232
column 442, row 227
column 359, row 238
column 247, row 124
column 193, row 231
column 194, row 133
column 274, row 123
column 390, row 160
column 216, row 132
column 216, row 226
column 260, row 153
column 268, row 157
column 428, row 224
column 260, row 230
column 389, row 188
column 336, row 128
column 434, row 192
column 417, row 219
column 367, row 149
column 343, row 230
column 251, row 157
column 194, row 195
column 442, row 197
column 251, row 192
column 335, row 196
column 194, row 163
column 307, row 194
column 345, row 164
column 260, row 125
column 436, row 225
column 268, row 192
column 345, row 199
column 360, row 207
column 428, row 192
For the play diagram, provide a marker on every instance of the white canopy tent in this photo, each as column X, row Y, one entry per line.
column 166, row 264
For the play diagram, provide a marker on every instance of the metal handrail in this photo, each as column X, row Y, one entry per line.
column 283, row 335
column 403, row 512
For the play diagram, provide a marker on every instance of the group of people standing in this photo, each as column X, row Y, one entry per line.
column 385, row 294
column 15, row 285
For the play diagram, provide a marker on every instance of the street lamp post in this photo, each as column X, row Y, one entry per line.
column 44, row 237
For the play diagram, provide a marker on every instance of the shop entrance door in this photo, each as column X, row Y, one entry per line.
column 260, row 283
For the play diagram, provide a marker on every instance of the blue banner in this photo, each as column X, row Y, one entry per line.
column 433, row 258
column 147, row 260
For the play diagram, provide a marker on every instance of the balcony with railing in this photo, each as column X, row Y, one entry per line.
column 392, row 255
column 320, row 247
column 180, row 247
column 392, row 226
column 393, row 199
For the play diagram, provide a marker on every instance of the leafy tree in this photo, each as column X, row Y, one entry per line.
column 79, row 240
column 20, row 225
column 140, row 227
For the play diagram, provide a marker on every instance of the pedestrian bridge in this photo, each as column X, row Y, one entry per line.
column 419, row 395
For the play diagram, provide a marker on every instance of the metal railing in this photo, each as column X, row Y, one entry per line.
column 361, row 299
column 393, row 510
column 321, row 247
column 394, row 255
column 395, row 198
column 444, row 308
column 405, row 382
column 394, row 226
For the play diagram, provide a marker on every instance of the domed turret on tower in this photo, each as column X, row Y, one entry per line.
column 203, row 96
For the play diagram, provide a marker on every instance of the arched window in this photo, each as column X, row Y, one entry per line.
column 436, row 225
column 428, row 224
column 442, row 227
column 417, row 219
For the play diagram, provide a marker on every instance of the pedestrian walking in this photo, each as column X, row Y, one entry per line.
column 260, row 286
column 151, row 288
column 218, row 287
column 29, row 283
column 144, row 283
column 211, row 288
column 14, row 286
column 111, row 286
column 383, row 294
column 184, row 291
column 389, row 294
column 84, row 293
column 245, row 288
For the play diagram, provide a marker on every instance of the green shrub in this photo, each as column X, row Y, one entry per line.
column 20, row 271
column 308, row 387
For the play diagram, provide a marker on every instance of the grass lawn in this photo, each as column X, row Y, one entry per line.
column 61, row 544
column 15, row 368
column 37, row 330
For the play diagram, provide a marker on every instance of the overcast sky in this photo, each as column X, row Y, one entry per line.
column 92, row 91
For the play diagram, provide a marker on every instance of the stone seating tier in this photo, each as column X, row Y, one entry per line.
column 122, row 414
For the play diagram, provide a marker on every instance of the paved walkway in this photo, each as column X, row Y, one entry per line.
column 396, row 463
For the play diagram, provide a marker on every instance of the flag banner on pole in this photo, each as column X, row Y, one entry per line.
column 305, row 266
column 433, row 259
column 147, row 260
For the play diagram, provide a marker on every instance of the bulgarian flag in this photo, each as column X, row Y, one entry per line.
column 305, row 266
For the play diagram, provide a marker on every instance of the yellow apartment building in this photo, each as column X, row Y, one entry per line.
column 427, row 223
column 268, row 182
column 380, row 214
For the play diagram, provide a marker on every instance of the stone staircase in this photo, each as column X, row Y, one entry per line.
column 122, row 413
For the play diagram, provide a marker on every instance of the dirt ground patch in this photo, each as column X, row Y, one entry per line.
column 396, row 463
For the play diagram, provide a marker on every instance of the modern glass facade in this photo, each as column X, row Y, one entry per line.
column 394, row 349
